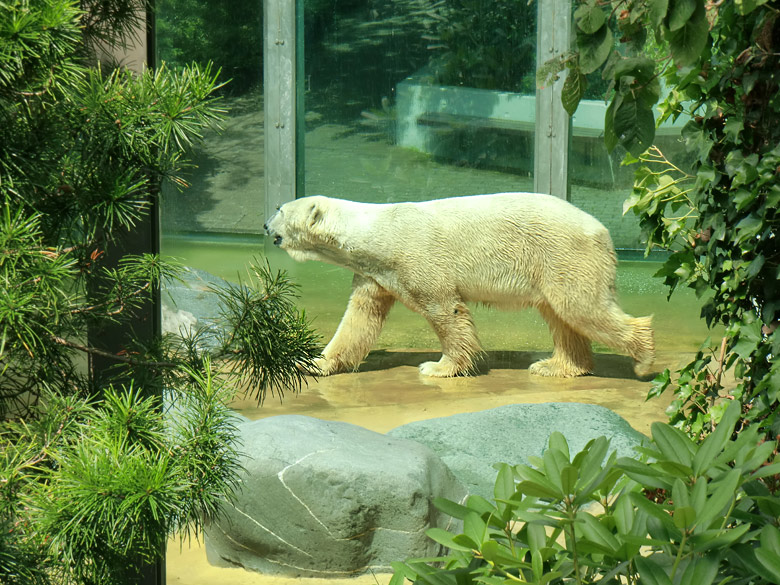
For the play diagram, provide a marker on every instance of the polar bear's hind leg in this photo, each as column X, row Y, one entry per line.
column 572, row 355
column 460, row 346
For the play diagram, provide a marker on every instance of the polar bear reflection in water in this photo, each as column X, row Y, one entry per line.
column 509, row 251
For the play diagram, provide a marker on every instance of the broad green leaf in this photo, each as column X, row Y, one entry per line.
column 643, row 473
column 537, row 537
column 651, row 572
column 540, row 490
column 684, row 517
column 698, row 498
column 558, row 442
column 594, row 49
column 573, row 89
column 589, row 18
column 770, row 560
column 651, row 508
column 723, row 493
column 770, row 538
column 480, row 505
column 589, row 461
column 505, row 483
column 701, row 571
column 596, row 533
column 623, row 512
column 717, row 539
column 716, row 441
column 446, row 539
column 656, row 11
column 634, row 126
column 537, row 565
column 673, row 443
column 610, row 138
column 680, row 12
column 502, row 555
column 451, row 508
column 688, row 43
column 680, row 495
column 475, row 528
column 554, row 463
column 569, row 479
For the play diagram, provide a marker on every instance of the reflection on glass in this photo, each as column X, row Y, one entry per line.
column 418, row 99
column 226, row 180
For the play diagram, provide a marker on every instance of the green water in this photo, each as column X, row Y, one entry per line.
column 324, row 291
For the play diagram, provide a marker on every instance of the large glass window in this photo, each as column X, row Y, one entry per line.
column 225, row 196
column 416, row 99
column 395, row 100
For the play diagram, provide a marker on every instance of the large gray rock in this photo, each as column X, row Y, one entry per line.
column 323, row 498
column 471, row 443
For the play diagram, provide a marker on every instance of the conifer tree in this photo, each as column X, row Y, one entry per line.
column 96, row 469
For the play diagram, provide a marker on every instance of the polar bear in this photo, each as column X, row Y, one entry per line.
column 507, row 250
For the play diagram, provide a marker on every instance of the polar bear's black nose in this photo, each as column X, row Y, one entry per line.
column 278, row 241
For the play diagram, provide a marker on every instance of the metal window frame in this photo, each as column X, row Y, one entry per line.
column 553, row 124
column 283, row 101
column 283, row 90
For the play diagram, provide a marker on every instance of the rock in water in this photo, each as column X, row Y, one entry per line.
column 322, row 498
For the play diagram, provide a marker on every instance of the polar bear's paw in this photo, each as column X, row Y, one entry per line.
column 444, row 368
column 321, row 367
column 556, row 369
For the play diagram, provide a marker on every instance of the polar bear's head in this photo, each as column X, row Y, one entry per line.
column 304, row 227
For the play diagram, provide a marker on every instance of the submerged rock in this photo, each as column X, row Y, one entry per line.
column 190, row 303
column 471, row 443
column 322, row 498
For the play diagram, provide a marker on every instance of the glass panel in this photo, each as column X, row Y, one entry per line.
column 226, row 182
column 418, row 99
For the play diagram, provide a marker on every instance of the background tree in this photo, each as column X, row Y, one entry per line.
column 96, row 471
column 719, row 63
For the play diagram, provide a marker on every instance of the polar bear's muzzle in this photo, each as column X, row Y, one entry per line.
column 269, row 232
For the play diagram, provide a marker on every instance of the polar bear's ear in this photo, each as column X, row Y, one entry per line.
column 315, row 214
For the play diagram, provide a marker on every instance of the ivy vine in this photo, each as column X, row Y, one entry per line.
column 718, row 62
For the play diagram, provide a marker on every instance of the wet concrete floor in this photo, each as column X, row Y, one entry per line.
column 388, row 392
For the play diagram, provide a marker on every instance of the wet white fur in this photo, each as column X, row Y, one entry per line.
column 509, row 250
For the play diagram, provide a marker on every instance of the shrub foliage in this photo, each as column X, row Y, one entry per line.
column 96, row 470
column 719, row 63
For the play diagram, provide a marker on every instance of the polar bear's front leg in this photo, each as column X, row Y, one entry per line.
column 361, row 324
column 459, row 343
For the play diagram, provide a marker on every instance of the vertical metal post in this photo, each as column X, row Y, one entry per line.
column 282, row 45
column 553, row 124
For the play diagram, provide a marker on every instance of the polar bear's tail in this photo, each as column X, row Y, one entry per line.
column 642, row 345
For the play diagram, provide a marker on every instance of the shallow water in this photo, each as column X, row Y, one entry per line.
column 324, row 290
